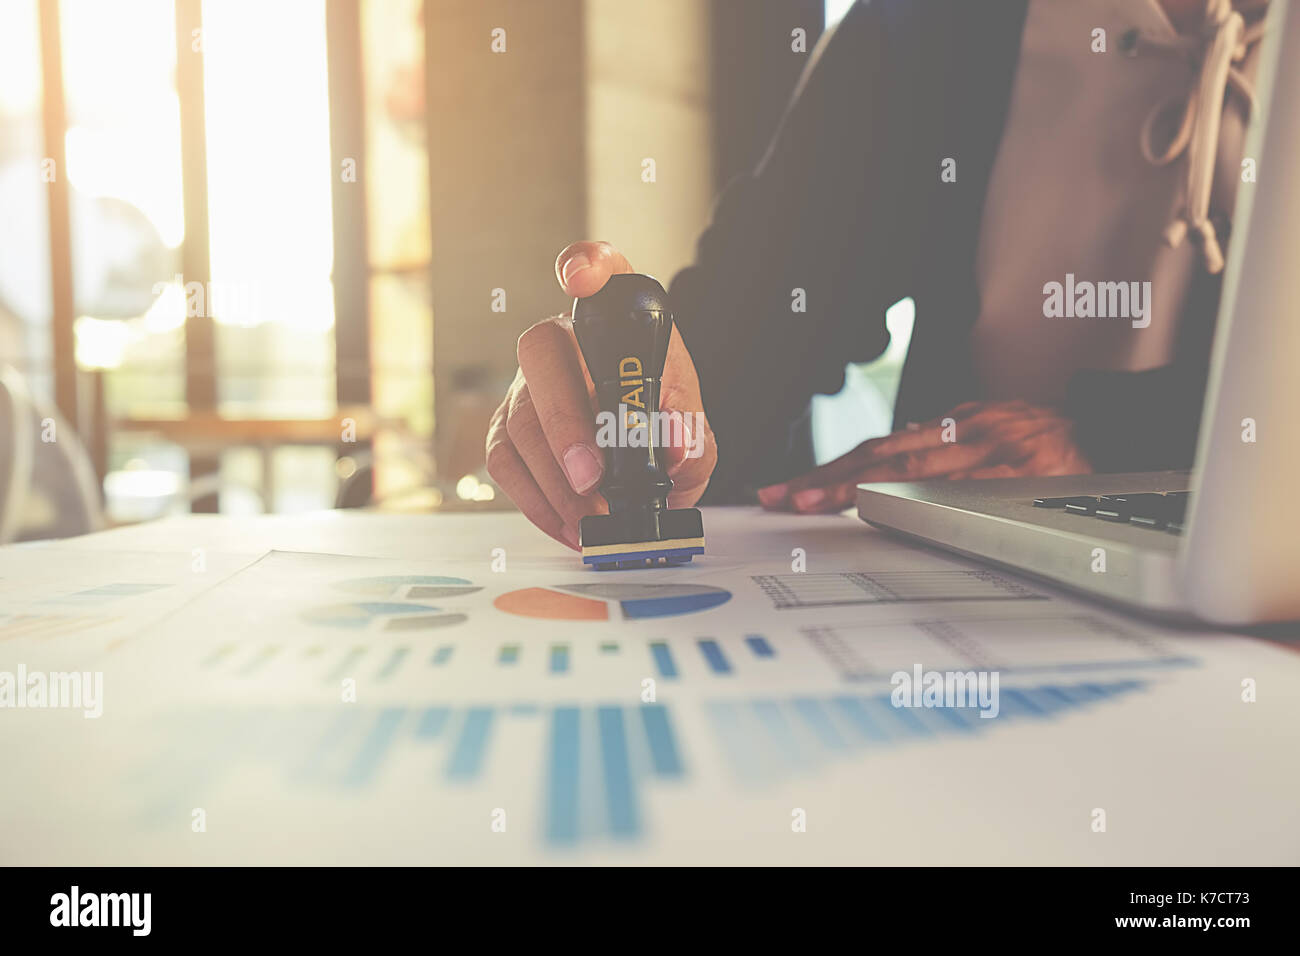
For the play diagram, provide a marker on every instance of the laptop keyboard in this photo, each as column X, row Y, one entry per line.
column 1163, row 511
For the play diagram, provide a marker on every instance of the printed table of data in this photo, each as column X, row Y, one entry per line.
column 848, row 588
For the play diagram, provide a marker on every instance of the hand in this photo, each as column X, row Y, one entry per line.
column 981, row 440
column 541, row 443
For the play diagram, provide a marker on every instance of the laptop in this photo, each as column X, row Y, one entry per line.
column 1220, row 543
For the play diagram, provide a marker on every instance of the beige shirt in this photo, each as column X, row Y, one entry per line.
column 1071, row 194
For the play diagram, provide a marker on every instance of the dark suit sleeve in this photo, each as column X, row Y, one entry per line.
column 790, row 280
column 1150, row 421
column 847, row 206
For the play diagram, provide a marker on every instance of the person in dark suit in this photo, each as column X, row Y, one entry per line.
column 985, row 159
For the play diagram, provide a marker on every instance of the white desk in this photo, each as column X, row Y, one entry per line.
column 521, row 696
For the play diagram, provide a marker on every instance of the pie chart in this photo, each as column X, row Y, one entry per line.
column 392, row 604
column 413, row 586
column 611, row 602
column 381, row 616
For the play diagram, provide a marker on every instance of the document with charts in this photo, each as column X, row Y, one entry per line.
column 510, row 705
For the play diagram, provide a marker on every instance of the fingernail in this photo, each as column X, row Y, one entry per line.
column 678, row 446
column 689, row 447
column 772, row 494
column 809, row 498
column 581, row 467
column 681, row 432
column 576, row 263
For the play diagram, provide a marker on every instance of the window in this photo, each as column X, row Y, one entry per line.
column 208, row 147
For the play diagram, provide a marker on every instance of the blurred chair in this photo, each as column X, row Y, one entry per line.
column 16, row 453
column 47, row 485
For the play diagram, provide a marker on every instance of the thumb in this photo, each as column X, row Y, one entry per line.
column 583, row 267
column 678, row 437
column 689, row 458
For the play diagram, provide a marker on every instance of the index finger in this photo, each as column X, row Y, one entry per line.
column 557, row 386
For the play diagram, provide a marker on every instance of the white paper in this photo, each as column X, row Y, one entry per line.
column 688, row 715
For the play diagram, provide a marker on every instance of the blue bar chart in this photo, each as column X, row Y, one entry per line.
column 712, row 653
column 557, row 660
column 599, row 763
column 767, row 740
column 598, row 760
